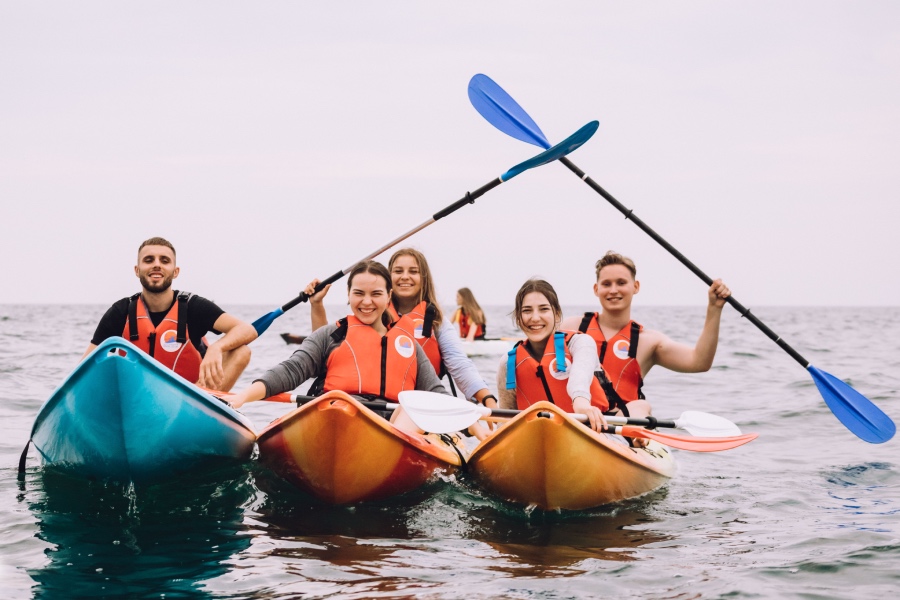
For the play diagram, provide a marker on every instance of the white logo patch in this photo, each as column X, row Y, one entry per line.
column 418, row 326
column 168, row 341
column 560, row 374
column 621, row 348
column 404, row 346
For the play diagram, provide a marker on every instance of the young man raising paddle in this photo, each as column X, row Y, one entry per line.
column 627, row 351
column 170, row 326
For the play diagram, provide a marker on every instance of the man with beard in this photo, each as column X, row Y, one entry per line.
column 170, row 325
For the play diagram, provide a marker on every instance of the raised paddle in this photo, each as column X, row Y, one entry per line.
column 439, row 413
column 570, row 144
column 443, row 414
column 855, row 411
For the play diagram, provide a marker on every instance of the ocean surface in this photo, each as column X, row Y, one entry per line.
column 805, row 511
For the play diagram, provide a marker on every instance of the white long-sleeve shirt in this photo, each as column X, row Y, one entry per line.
column 585, row 363
column 459, row 366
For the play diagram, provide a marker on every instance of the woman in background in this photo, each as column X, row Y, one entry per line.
column 469, row 316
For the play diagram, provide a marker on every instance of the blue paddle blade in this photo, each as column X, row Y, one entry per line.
column 504, row 113
column 854, row 410
column 568, row 145
column 262, row 323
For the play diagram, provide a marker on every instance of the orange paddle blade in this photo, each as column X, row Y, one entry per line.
column 695, row 444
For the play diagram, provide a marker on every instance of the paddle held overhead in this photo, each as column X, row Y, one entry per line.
column 855, row 411
column 568, row 145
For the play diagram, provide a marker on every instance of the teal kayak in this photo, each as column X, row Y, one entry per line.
column 121, row 415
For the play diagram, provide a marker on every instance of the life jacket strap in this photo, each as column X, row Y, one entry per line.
column 633, row 343
column 340, row 334
column 132, row 318
column 511, row 366
column 559, row 345
column 612, row 396
column 585, row 321
column 384, row 346
column 183, row 299
column 430, row 312
column 543, row 378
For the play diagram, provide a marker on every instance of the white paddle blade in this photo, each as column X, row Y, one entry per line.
column 703, row 424
column 439, row 413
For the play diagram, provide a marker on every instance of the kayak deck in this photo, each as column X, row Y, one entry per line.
column 545, row 458
column 122, row 415
column 343, row 453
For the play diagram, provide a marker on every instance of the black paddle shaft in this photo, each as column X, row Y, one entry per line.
column 629, row 214
column 469, row 198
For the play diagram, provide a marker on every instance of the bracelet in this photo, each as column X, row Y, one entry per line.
column 483, row 401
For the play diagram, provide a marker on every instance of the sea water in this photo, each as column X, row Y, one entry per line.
column 805, row 511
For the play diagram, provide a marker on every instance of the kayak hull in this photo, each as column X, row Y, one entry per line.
column 545, row 458
column 343, row 453
column 121, row 415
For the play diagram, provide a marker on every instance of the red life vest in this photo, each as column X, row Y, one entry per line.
column 618, row 357
column 464, row 325
column 368, row 363
column 168, row 342
column 420, row 320
column 535, row 381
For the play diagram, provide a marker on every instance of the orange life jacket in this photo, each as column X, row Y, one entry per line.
column 168, row 342
column 420, row 320
column 531, row 381
column 463, row 319
column 618, row 356
column 368, row 363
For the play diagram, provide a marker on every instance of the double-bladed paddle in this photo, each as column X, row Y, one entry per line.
column 439, row 413
column 855, row 411
column 570, row 144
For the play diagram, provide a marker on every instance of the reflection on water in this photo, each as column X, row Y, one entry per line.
column 560, row 539
column 114, row 540
column 521, row 536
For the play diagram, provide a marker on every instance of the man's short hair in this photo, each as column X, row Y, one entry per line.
column 157, row 241
column 614, row 258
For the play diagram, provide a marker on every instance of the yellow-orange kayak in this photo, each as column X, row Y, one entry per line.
column 545, row 458
column 341, row 452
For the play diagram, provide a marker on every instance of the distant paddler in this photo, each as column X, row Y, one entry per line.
column 170, row 325
column 469, row 316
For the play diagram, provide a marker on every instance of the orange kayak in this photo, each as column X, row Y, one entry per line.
column 341, row 452
column 545, row 458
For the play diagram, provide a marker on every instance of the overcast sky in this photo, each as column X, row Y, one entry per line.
column 274, row 142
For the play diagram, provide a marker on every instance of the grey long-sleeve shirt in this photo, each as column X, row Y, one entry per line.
column 309, row 361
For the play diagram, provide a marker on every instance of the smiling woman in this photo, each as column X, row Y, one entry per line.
column 550, row 365
column 356, row 355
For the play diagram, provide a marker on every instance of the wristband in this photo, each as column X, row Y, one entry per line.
column 483, row 401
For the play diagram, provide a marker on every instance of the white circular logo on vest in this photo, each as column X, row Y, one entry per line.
column 621, row 348
column 404, row 346
column 560, row 374
column 169, row 342
column 418, row 326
